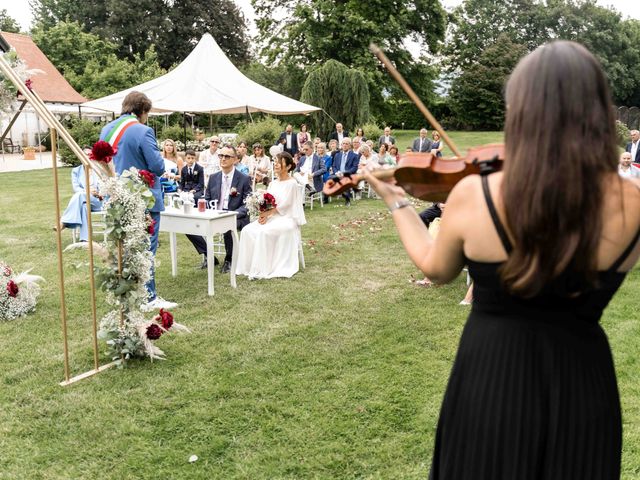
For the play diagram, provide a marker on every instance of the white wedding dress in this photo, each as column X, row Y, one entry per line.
column 271, row 250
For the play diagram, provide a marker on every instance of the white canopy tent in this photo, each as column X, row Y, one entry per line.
column 207, row 82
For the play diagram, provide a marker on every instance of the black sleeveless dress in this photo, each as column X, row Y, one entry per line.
column 532, row 393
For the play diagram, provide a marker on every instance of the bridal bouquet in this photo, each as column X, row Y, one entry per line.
column 260, row 201
column 18, row 293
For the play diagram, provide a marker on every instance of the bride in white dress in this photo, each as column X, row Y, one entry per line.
column 269, row 245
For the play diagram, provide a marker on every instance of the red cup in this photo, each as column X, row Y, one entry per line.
column 202, row 205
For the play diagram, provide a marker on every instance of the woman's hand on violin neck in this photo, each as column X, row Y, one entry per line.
column 389, row 192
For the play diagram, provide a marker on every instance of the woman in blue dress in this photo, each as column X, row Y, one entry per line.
column 75, row 215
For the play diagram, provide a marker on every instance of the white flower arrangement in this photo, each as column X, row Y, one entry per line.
column 126, row 331
column 18, row 293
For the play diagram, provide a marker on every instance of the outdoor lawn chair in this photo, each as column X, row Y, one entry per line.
column 8, row 146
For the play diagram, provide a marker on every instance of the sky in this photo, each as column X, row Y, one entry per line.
column 21, row 12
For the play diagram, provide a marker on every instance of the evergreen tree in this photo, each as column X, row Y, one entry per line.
column 340, row 91
column 8, row 23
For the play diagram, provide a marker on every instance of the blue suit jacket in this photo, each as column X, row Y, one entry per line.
column 242, row 184
column 628, row 149
column 318, row 169
column 351, row 165
column 192, row 182
column 138, row 148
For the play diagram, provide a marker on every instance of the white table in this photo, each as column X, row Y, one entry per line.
column 207, row 224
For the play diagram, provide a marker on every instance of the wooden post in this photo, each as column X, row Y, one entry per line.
column 92, row 281
column 63, row 307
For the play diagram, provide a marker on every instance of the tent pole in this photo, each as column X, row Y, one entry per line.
column 184, row 129
column 79, row 112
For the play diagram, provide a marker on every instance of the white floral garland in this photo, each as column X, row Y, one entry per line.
column 125, row 329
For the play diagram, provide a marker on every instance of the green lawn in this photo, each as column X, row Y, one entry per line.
column 336, row 373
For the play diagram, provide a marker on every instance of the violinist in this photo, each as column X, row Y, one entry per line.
column 533, row 390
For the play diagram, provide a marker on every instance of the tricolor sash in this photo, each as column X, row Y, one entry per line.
column 123, row 123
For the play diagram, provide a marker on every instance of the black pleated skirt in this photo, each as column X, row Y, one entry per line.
column 530, row 398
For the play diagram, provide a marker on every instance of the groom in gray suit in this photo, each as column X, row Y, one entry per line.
column 230, row 188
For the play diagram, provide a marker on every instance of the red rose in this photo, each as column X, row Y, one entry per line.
column 166, row 319
column 147, row 177
column 269, row 202
column 12, row 288
column 233, row 192
column 151, row 228
column 102, row 152
column 154, row 332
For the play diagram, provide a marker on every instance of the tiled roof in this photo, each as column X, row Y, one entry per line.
column 50, row 85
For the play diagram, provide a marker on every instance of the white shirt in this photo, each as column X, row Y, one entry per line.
column 289, row 136
column 225, row 189
column 634, row 150
column 633, row 172
column 209, row 161
column 340, row 137
column 307, row 166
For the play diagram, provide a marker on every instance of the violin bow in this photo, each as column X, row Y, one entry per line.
column 414, row 98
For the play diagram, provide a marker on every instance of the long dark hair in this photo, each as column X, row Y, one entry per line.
column 560, row 142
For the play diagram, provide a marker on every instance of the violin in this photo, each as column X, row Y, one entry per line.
column 424, row 175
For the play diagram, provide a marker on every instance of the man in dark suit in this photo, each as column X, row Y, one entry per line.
column 345, row 162
column 422, row 143
column 192, row 176
column 137, row 147
column 339, row 134
column 387, row 138
column 310, row 167
column 634, row 146
column 289, row 141
column 230, row 188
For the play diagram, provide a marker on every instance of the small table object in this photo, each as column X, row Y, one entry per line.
column 207, row 224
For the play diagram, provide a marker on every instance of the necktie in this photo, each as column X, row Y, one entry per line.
column 225, row 193
column 344, row 162
column 190, row 171
column 420, row 149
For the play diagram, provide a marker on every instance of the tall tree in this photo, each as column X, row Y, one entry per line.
column 311, row 32
column 173, row 26
column 8, row 23
column 340, row 91
column 477, row 95
column 90, row 63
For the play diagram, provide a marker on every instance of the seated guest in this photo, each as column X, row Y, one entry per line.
column 384, row 159
column 229, row 188
column 288, row 140
column 625, row 169
column 333, row 147
column 310, row 169
column 171, row 175
column 316, row 141
column 395, row 155
column 75, row 215
column 422, row 143
column 360, row 133
column 327, row 159
column 242, row 160
column 345, row 162
column 259, row 165
column 356, row 143
column 387, row 138
column 339, row 134
column 367, row 158
column 436, row 146
column 192, row 176
column 209, row 158
column 633, row 146
column 269, row 245
column 303, row 136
